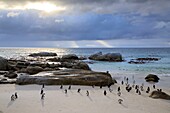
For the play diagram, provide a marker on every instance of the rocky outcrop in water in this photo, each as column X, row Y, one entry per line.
column 68, row 77
column 143, row 60
column 136, row 62
column 159, row 95
column 114, row 57
column 43, row 54
column 67, row 58
column 152, row 78
column 70, row 57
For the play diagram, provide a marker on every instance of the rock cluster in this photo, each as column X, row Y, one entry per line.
column 142, row 60
column 66, row 58
column 148, row 59
column 159, row 95
column 21, row 71
column 70, row 56
column 152, row 78
column 114, row 57
column 43, row 54
column 75, row 65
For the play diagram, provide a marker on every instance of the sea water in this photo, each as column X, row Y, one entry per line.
column 117, row 69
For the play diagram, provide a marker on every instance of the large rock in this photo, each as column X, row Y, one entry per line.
column 81, row 65
column 43, row 54
column 3, row 64
column 76, row 65
column 67, row 64
column 152, row 78
column 70, row 57
column 11, row 75
column 115, row 57
column 159, row 95
column 33, row 69
column 95, row 56
column 67, row 77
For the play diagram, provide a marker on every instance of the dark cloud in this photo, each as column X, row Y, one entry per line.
column 87, row 26
column 102, row 6
column 86, row 20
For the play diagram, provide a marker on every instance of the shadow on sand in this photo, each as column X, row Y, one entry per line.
column 71, row 91
column 108, row 97
column 66, row 95
column 90, row 98
column 125, row 106
column 80, row 94
column 42, row 102
column 9, row 104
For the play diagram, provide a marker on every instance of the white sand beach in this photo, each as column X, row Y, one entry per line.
column 56, row 101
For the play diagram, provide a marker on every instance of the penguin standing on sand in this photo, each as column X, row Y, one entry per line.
column 16, row 96
column 127, row 80
column 141, row 87
column 100, row 86
column 119, row 93
column 65, row 91
column 139, row 92
column 41, row 92
column 118, row 89
column 148, row 90
column 87, row 93
column 78, row 90
column 105, row 93
column 122, row 82
column 61, row 87
column 69, row 87
column 43, row 86
column 129, row 89
column 120, row 101
column 12, row 97
column 42, row 96
column 136, row 87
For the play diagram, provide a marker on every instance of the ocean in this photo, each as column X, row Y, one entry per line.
column 117, row 69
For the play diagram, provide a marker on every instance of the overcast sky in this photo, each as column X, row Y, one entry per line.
column 84, row 23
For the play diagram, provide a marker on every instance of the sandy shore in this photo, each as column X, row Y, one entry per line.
column 56, row 101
